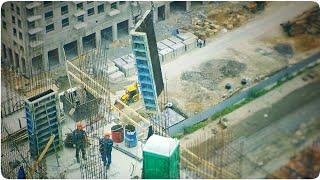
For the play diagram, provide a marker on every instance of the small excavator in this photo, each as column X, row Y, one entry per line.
column 131, row 95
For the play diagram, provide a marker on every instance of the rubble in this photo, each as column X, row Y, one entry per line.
column 232, row 68
column 284, row 49
column 307, row 23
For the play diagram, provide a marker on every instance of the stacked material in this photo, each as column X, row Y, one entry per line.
column 176, row 45
column 307, row 23
column 119, row 62
column 117, row 76
column 166, row 54
column 126, row 65
column 178, row 49
column 189, row 40
column 109, row 68
column 129, row 68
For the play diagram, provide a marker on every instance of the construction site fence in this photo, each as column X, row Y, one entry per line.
column 277, row 77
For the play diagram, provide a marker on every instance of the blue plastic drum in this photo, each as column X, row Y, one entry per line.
column 130, row 138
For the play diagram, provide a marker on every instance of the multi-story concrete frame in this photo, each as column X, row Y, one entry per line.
column 35, row 35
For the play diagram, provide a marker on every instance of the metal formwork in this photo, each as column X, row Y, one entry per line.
column 42, row 122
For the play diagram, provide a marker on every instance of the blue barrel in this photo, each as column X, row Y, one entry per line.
column 130, row 138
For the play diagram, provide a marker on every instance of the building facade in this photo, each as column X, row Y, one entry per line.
column 38, row 36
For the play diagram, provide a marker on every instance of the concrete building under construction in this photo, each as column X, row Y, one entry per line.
column 158, row 90
column 35, row 34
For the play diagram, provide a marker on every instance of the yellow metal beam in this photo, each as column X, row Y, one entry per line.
column 36, row 164
column 193, row 167
column 212, row 166
column 106, row 90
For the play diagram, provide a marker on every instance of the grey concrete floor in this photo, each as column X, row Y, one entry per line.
column 123, row 166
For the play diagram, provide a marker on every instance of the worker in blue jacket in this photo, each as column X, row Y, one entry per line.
column 79, row 138
column 105, row 148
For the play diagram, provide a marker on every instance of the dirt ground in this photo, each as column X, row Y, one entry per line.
column 274, row 127
column 195, row 80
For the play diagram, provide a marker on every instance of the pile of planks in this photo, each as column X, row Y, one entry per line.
column 306, row 23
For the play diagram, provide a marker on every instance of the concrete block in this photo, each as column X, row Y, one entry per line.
column 128, row 59
column 161, row 46
column 178, row 49
column 129, row 69
column 167, row 54
column 117, row 76
column 167, row 42
column 119, row 62
column 112, row 69
column 190, row 44
column 175, row 39
column 187, row 35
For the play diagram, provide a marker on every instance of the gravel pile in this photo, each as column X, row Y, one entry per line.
column 211, row 73
column 284, row 49
column 232, row 68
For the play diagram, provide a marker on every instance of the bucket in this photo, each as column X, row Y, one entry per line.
column 117, row 133
column 130, row 138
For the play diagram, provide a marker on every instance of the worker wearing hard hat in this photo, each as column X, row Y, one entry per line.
column 105, row 148
column 79, row 139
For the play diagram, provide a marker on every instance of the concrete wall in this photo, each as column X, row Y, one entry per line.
column 61, row 36
column 179, row 127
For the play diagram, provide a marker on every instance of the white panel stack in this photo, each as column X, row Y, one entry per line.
column 117, row 76
column 175, row 39
column 112, row 69
column 189, row 40
column 190, row 44
column 126, row 64
column 166, row 54
column 161, row 46
column 167, row 42
column 178, row 49
column 119, row 62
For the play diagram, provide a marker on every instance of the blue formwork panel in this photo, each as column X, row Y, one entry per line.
column 42, row 122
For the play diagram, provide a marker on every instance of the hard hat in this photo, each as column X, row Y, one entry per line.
column 106, row 133
column 79, row 125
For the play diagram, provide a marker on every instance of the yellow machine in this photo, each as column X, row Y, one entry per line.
column 131, row 95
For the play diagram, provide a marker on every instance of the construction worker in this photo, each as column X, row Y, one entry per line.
column 79, row 138
column 105, row 148
column 21, row 173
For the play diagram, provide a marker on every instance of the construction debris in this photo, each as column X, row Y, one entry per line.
column 284, row 49
column 305, row 164
column 224, row 16
column 232, row 68
column 306, row 23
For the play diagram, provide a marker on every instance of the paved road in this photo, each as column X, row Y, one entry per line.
column 264, row 23
column 273, row 144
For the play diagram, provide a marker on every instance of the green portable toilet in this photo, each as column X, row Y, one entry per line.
column 161, row 158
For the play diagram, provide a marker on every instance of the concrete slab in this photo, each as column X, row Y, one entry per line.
column 175, row 39
column 117, row 76
column 129, row 69
column 161, row 46
column 178, row 49
column 167, row 54
column 123, row 166
column 187, row 35
column 12, row 124
column 190, row 44
column 128, row 59
column 167, row 42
